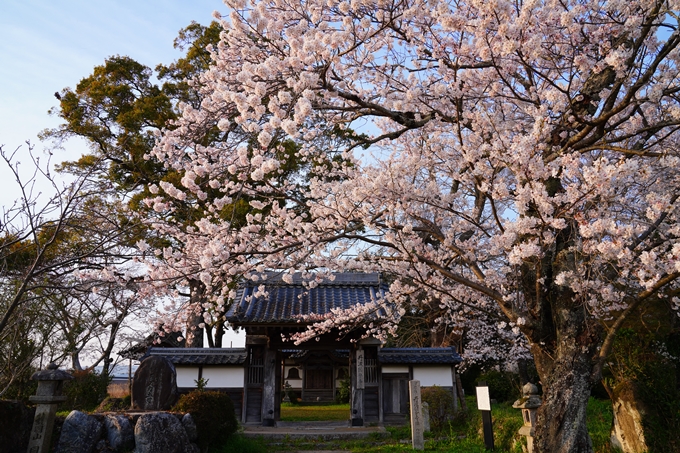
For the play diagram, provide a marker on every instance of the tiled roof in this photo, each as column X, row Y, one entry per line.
column 139, row 350
column 286, row 302
column 301, row 354
column 201, row 356
column 423, row 356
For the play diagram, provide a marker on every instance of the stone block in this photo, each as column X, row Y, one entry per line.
column 190, row 427
column 80, row 433
column 119, row 433
column 160, row 432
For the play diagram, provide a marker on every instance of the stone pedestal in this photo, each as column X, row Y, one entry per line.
column 529, row 404
column 47, row 397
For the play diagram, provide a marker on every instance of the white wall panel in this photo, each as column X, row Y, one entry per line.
column 433, row 375
column 186, row 375
column 231, row 376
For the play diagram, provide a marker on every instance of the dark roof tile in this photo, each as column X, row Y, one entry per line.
column 287, row 302
column 201, row 356
column 423, row 356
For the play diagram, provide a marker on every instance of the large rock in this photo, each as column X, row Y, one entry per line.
column 154, row 387
column 119, row 433
column 160, row 432
column 79, row 433
column 16, row 421
column 190, row 427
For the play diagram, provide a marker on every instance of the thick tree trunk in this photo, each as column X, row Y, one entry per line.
column 522, row 370
column 561, row 423
column 194, row 333
column 628, row 434
column 564, row 344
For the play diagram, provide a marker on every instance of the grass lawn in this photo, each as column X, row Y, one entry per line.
column 313, row 412
column 464, row 435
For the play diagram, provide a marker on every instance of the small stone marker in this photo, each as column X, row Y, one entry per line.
column 47, row 397
column 417, row 426
column 426, row 417
column 484, row 406
column 154, row 387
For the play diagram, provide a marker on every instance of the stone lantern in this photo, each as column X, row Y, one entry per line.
column 47, row 397
column 529, row 404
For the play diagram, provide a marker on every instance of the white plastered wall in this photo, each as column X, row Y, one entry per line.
column 294, row 383
column 224, row 377
column 186, row 376
column 433, row 375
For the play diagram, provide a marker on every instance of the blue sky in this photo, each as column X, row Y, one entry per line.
column 48, row 45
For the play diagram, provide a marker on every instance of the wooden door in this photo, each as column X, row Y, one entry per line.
column 254, row 384
column 319, row 379
column 395, row 396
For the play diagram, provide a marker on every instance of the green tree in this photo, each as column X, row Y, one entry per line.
column 119, row 109
column 48, row 245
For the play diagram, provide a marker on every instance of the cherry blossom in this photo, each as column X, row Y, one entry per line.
column 520, row 163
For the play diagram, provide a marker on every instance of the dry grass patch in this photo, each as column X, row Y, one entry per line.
column 118, row 390
column 316, row 412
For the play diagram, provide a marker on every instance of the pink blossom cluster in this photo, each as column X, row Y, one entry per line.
column 507, row 141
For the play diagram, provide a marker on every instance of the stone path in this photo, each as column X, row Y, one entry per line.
column 325, row 430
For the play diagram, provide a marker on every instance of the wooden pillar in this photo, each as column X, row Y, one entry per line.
column 269, row 388
column 358, row 384
column 304, row 380
column 279, row 385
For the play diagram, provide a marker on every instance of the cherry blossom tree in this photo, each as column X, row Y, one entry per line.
column 520, row 160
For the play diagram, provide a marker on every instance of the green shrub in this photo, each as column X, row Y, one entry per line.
column 344, row 392
column 111, row 404
column 646, row 366
column 213, row 413
column 16, row 420
column 440, row 401
column 22, row 386
column 85, row 391
column 503, row 386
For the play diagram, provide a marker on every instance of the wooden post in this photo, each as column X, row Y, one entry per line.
column 357, row 368
column 278, row 386
column 417, row 425
column 484, row 406
column 130, row 380
column 269, row 388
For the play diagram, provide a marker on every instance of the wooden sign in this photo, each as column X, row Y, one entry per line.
column 484, row 405
column 483, row 399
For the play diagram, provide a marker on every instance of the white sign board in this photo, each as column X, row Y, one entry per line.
column 483, row 399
